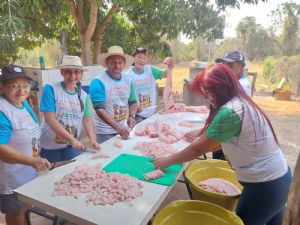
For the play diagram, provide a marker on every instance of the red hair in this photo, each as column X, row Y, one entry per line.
column 222, row 82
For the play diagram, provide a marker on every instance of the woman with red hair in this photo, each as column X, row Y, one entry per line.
column 250, row 145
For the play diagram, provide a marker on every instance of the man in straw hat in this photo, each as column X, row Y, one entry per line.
column 66, row 107
column 113, row 96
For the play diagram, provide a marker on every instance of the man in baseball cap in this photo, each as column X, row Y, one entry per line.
column 236, row 61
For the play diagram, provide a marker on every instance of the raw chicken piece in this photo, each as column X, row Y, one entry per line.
column 168, row 139
column 99, row 155
column 150, row 130
column 180, row 107
column 155, row 174
column 219, row 185
column 167, row 93
column 97, row 186
column 186, row 123
column 141, row 132
column 162, row 130
column 154, row 149
column 118, row 143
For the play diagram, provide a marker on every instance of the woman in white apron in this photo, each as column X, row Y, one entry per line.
column 19, row 142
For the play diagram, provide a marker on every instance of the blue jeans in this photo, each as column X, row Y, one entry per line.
column 56, row 155
column 139, row 118
column 264, row 203
column 9, row 203
column 104, row 137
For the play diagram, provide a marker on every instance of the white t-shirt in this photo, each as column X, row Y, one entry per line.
column 251, row 148
column 114, row 95
column 145, row 87
column 244, row 81
column 23, row 135
column 67, row 110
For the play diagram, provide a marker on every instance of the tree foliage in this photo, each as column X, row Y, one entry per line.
column 148, row 23
column 256, row 40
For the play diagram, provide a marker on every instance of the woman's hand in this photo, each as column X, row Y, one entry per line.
column 77, row 145
column 191, row 136
column 95, row 145
column 40, row 164
column 162, row 162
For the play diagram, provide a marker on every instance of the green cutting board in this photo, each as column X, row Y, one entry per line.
column 137, row 166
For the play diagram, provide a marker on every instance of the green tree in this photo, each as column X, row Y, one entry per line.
column 256, row 41
column 286, row 20
column 151, row 20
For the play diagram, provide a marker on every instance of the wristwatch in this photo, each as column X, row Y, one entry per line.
column 133, row 116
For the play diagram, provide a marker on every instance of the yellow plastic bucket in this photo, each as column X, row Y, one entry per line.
column 206, row 169
column 192, row 212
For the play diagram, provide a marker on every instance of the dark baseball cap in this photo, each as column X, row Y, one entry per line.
column 11, row 71
column 140, row 50
column 233, row 56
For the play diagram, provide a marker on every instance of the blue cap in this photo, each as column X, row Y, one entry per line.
column 233, row 56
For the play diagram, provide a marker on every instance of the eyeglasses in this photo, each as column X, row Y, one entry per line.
column 16, row 87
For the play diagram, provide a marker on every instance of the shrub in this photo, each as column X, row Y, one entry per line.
column 269, row 69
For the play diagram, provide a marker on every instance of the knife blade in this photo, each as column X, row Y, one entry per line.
column 61, row 163
column 92, row 150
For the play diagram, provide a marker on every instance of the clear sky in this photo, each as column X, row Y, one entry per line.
column 259, row 11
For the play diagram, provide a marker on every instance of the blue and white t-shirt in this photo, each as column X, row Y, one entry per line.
column 66, row 107
column 113, row 95
column 145, row 87
column 19, row 128
column 244, row 81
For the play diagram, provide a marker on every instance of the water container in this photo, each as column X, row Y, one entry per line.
column 42, row 62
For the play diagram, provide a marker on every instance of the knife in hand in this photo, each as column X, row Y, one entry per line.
column 61, row 163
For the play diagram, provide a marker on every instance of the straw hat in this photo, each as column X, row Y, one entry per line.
column 115, row 50
column 71, row 62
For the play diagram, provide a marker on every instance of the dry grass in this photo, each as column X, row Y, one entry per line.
column 180, row 73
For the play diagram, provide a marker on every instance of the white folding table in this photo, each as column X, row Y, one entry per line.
column 38, row 192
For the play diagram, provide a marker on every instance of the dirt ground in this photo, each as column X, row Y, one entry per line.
column 285, row 117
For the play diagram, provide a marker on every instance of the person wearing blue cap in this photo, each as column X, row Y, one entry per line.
column 235, row 60
column 19, row 142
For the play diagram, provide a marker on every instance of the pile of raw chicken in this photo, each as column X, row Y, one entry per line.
column 99, row 187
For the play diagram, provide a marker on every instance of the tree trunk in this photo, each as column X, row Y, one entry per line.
column 85, row 26
column 99, row 31
column 96, row 50
column 292, row 212
column 63, row 43
column 85, row 51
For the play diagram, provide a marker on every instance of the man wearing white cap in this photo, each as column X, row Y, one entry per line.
column 113, row 96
